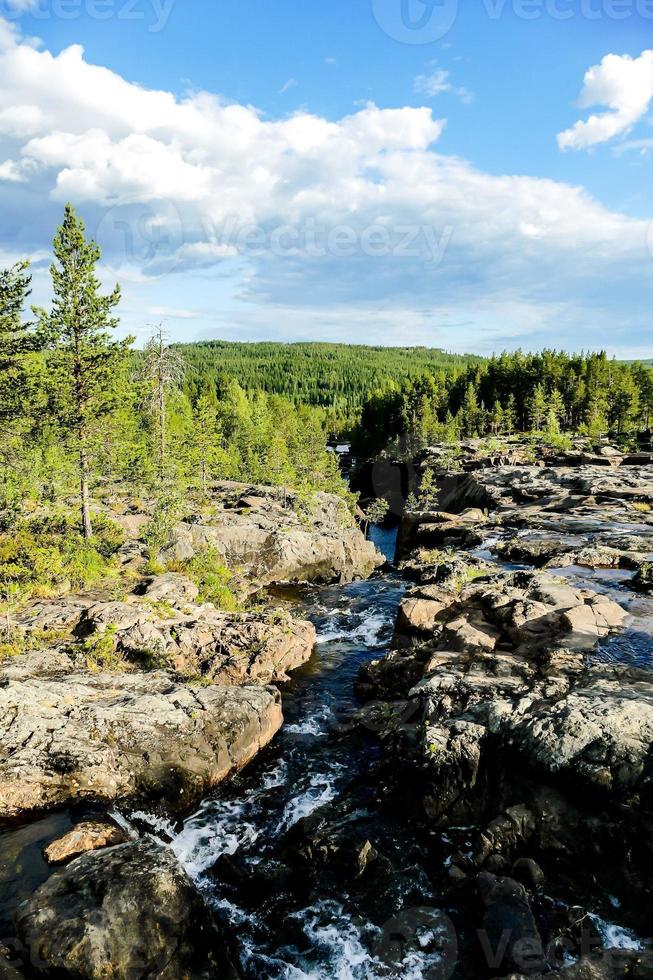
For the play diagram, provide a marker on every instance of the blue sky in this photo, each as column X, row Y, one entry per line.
column 226, row 146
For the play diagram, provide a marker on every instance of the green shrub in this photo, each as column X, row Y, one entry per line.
column 558, row 440
column 14, row 641
column 100, row 653
column 207, row 571
column 158, row 530
column 49, row 557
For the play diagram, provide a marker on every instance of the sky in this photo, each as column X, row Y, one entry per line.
column 466, row 174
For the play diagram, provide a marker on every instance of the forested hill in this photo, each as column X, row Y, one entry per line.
column 337, row 375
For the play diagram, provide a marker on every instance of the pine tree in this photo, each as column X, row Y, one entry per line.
column 624, row 404
column 85, row 356
column 470, row 411
column 596, row 419
column 163, row 370
column 557, row 409
column 496, row 418
column 537, row 408
column 205, row 436
column 510, row 415
column 14, row 336
column 17, row 340
column 552, row 422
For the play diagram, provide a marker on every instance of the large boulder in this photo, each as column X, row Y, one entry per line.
column 80, row 735
column 125, row 913
column 273, row 536
column 225, row 648
column 508, row 925
column 162, row 626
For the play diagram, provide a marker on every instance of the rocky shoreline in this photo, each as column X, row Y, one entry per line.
column 154, row 699
column 508, row 732
column 497, row 702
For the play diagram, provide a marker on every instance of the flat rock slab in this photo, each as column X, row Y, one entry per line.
column 116, row 736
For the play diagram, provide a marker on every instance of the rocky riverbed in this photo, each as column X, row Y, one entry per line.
column 517, row 697
column 461, row 788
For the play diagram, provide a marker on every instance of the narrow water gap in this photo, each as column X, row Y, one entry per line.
column 233, row 845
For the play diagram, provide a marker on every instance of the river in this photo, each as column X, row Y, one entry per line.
column 328, row 922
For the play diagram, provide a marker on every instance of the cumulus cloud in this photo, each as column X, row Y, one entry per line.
column 195, row 185
column 623, row 84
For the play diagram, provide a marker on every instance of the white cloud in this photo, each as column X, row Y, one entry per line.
column 434, row 83
column 291, row 83
column 204, row 253
column 11, row 172
column 163, row 179
column 625, row 86
column 437, row 81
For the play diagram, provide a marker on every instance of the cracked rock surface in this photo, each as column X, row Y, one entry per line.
column 80, row 735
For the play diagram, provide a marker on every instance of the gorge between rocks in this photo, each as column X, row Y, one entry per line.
column 388, row 832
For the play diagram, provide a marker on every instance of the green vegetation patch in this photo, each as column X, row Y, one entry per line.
column 49, row 556
column 215, row 582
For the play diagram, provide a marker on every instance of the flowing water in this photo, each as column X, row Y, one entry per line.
column 318, row 933
column 329, row 926
column 310, row 764
column 631, row 646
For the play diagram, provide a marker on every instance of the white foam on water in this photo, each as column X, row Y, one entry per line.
column 276, row 776
column 338, row 945
column 321, row 790
column 311, row 726
column 614, row 936
column 217, row 829
column 160, row 827
column 370, row 630
column 340, row 940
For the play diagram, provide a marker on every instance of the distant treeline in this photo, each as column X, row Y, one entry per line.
column 552, row 392
column 333, row 376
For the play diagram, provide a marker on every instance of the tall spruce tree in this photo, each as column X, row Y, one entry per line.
column 470, row 411
column 85, row 357
column 16, row 340
column 163, row 369
column 537, row 408
column 205, row 437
